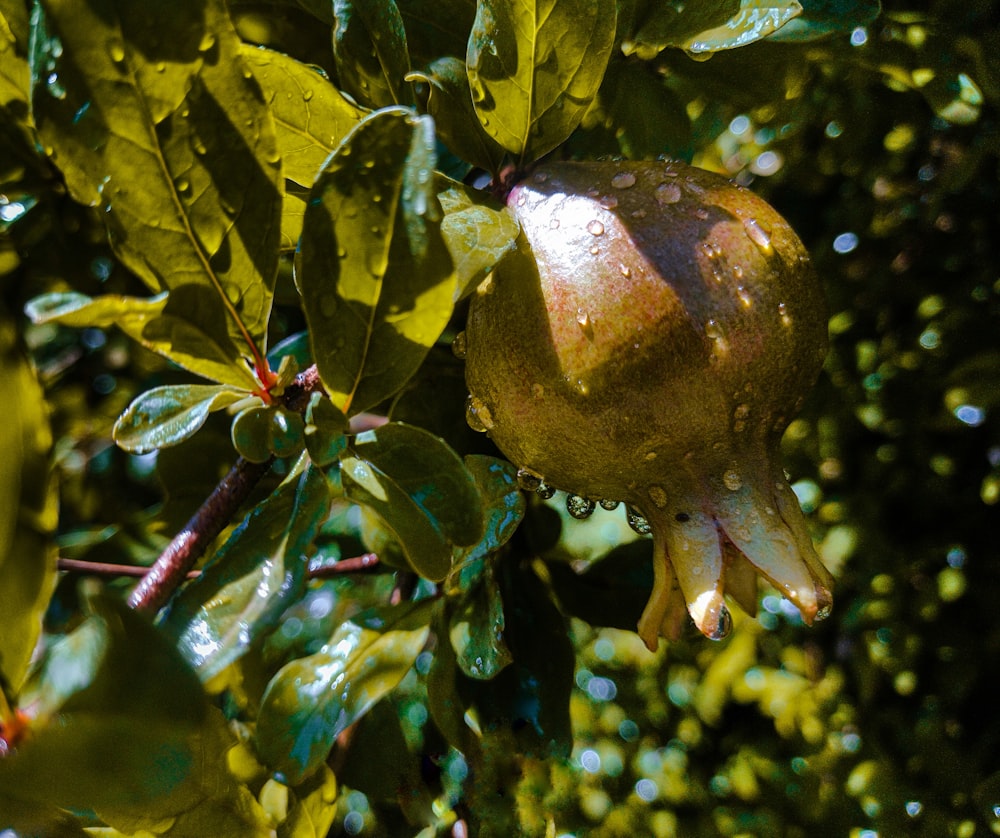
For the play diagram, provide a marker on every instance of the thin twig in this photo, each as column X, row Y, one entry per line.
column 365, row 563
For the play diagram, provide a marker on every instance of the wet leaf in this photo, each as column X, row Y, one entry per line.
column 375, row 274
column 478, row 233
column 369, row 48
column 313, row 699
column 311, row 116
column 821, row 18
column 311, row 807
column 28, row 508
column 420, row 489
column 534, row 69
column 255, row 575
column 477, row 621
column 164, row 324
column 138, row 756
column 448, row 99
column 436, row 27
column 15, row 76
column 709, row 26
column 170, row 414
column 153, row 115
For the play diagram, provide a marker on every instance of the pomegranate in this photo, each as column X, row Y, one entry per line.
column 648, row 343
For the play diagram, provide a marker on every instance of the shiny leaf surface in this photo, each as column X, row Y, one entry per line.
column 255, row 575
column 170, row 414
column 477, row 232
column 420, row 489
column 369, row 48
column 373, row 269
column 534, row 68
column 313, row 699
column 153, row 115
column 310, row 115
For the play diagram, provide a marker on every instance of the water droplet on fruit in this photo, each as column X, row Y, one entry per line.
column 585, row 323
column 667, row 193
column 528, row 480
column 714, row 331
column 477, row 415
column 637, row 522
column 595, row 228
column 609, row 202
column 723, row 627
column 594, row 250
column 609, row 505
column 744, row 296
column 459, row 346
column 758, row 235
column 625, row 270
column 657, row 495
column 554, row 224
column 544, row 490
column 579, row 507
column 732, row 480
column 623, row 180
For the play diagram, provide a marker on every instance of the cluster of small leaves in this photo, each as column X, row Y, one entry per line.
column 252, row 191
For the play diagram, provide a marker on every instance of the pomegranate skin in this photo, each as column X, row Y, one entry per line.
column 649, row 342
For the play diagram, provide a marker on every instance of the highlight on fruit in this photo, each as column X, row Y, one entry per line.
column 648, row 343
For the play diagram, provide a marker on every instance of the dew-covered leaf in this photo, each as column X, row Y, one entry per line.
column 28, row 508
column 821, row 18
column 421, row 490
column 151, row 113
column 444, row 88
column 477, row 621
column 370, row 52
column 169, row 324
column 255, row 575
column 310, row 115
column 478, row 232
column 170, row 414
column 310, row 701
column 373, row 268
column 535, row 67
column 709, row 26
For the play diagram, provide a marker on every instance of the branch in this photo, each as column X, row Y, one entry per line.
column 171, row 568
column 173, row 565
column 365, row 563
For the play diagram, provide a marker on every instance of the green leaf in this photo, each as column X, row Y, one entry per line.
column 436, row 28
column 170, row 414
column 535, row 67
column 709, row 26
column 169, row 324
column 373, row 269
column 477, row 622
column 310, row 115
column 252, row 579
column 821, row 18
column 313, row 699
column 28, row 509
column 478, row 232
column 138, row 755
column 420, row 489
column 152, row 114
column 444, row 89
column 369, row 48
column 312, row 807
column 15, row 75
